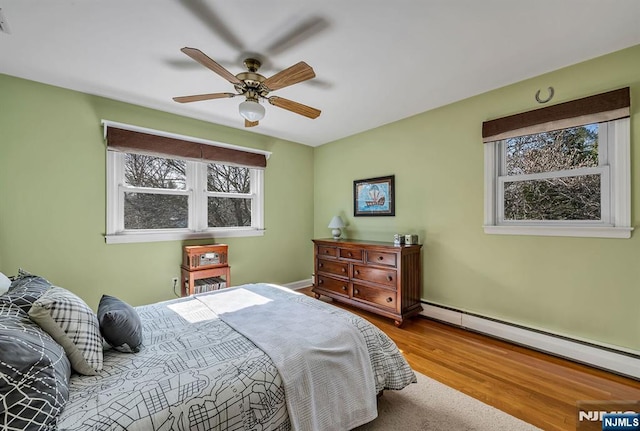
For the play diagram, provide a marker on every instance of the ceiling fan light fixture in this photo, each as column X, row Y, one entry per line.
column 253, row 86
column 251, row 110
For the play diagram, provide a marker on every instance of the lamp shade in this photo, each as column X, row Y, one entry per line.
column 336, row 222
column 251, row 110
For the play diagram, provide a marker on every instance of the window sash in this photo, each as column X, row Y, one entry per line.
column 604, row 136
column 605, row 214
column 230, row 195
column 152, row 191
column 552, row 174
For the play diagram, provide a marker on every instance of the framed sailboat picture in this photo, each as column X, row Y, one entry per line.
column 374, row 197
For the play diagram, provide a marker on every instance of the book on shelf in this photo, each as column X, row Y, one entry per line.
column 208, row 284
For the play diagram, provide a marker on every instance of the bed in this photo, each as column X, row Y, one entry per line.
column 203, row 365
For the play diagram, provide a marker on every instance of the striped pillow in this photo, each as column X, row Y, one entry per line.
column 72, row 323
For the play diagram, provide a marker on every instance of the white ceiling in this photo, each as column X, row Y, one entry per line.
column 376, row 61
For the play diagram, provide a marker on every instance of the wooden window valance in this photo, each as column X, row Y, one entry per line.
column 125, row 138
column 609, row 106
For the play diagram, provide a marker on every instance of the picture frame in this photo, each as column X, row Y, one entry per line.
column 374, row 197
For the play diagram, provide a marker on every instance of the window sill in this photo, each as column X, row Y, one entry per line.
column 575, row 231
column 131, row 237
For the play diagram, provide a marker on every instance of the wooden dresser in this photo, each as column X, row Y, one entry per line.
column 375, row 276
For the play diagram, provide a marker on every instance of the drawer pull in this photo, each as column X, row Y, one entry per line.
column 357, row 272
column 320, row 281
column 326, row 252
column 389, row 299
column 344, row 288
column 321, row 265
column 344, row 270
column 380, row 257
column 349, row 254
column 356, row 291
column 389, row 278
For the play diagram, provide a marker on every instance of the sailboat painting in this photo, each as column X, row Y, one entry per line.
column 374, row 196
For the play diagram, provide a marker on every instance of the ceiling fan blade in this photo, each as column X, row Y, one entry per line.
column 248, row 123
column 298, row 34
column 292, row 75
column 296, row 107
column 208, row 16
column 202, row 58
column 199, row 97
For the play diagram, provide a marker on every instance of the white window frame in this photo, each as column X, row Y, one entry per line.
column 614, row 167
column 197, row 193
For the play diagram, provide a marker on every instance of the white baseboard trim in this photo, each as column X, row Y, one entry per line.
column 299, row 284
column 627, row 364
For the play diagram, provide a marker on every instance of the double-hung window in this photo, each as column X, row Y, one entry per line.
column 162, row 186
column 546, row 175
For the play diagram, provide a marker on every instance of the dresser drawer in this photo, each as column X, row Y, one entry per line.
column 350, row 254
column 382, row 258
column 381, row 297
column 333, row 267
column 331, row 284
column 388, row 277
column 327, row 251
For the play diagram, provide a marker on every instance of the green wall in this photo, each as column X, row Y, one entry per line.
column 52, row 185
column 52, row 216
column 582, row 287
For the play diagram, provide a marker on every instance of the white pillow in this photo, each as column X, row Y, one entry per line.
column 4, row 283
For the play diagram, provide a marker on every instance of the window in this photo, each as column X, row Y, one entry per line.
column 571, row 181
column 153, row 197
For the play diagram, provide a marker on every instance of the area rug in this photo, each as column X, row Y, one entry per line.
column 430, row 405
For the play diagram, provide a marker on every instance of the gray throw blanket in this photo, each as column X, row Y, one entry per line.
column 323, row 362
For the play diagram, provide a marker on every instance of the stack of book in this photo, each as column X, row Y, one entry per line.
column 209, row 284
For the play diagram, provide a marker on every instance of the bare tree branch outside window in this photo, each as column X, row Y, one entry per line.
column 146, row 209
column 155, row 172
column 155, row 211
column 228, row 211
column 556, row 198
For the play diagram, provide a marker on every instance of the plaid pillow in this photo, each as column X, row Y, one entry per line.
column 72, row 323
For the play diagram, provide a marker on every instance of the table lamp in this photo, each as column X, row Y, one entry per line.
column 336, row 224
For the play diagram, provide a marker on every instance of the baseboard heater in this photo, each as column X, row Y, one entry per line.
column 626, row 363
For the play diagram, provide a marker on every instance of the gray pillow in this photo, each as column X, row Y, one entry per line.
column 25, row 290
column 120, row 324
column 34, row 373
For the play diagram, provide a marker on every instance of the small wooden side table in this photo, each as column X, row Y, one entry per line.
column 203, row 261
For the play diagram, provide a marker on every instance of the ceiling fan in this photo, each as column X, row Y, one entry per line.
column 254, row 87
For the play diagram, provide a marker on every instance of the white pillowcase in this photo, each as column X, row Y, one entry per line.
column 4, row 283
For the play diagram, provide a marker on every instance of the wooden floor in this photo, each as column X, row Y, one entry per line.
column 535, row 387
